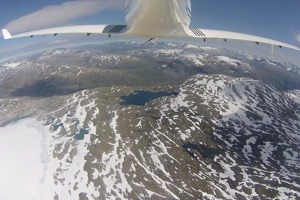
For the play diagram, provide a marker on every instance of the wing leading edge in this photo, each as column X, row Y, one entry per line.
column 86, row 29
column 226, row 35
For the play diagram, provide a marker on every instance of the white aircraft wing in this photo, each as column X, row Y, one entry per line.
column 226, row 35
column 86, row 29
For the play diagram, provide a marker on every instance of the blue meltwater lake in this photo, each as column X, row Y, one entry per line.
column 140, row 98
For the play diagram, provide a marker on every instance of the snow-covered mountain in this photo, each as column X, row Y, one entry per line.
column 220, row 137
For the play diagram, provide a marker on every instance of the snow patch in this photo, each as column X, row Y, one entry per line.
column 228, row 60
column 24, row 157
column 12, row 65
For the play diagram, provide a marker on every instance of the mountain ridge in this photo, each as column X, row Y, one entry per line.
column 221, row 137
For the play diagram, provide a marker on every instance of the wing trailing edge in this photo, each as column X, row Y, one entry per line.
column 83, row 29
column 226, row 35
column 122, row 29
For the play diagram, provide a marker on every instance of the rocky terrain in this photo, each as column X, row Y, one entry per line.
column 229, row 136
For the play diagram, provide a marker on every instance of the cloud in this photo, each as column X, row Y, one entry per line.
column 298, row 37
column 55, row 15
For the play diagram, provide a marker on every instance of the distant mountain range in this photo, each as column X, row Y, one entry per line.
column 127, row 63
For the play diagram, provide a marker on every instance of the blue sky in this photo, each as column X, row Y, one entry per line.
column 275, row 19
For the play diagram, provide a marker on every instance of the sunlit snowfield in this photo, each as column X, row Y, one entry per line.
column 24, row 156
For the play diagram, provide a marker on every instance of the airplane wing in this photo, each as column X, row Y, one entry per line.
column 226, row 35
column 122, row 29
column 86, row 29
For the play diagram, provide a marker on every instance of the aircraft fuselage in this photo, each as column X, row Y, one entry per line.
column 157, row 18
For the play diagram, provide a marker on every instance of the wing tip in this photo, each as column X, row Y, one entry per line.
column 6, row 34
